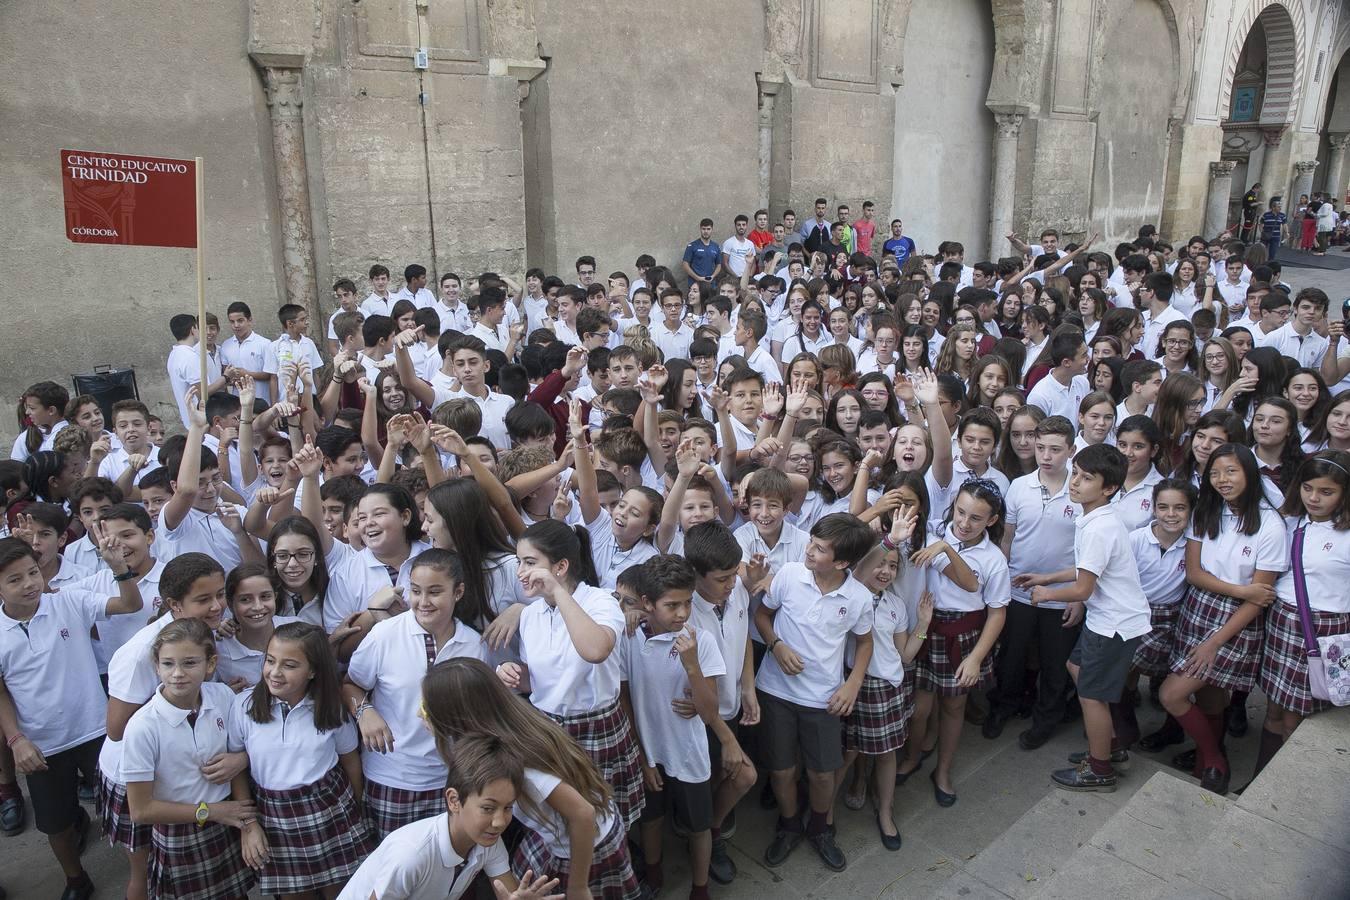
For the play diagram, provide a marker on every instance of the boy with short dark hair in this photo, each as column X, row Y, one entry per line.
column 677, row 767
column 1060, row 392
column 1105, row 577
column 1142, row 379
column 379, row 302
column 89, row 499
column 43, row 527
column 293, row 346
column 344, row 290
column 245, row 351
column 1298, row 338
column 805, row 617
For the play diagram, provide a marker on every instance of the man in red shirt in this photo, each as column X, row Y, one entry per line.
column 761, row 236
column 863, row 230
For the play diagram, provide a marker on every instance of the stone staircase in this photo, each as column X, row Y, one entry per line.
column 1287, row 836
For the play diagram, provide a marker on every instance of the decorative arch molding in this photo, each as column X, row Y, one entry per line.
column 1284, row 26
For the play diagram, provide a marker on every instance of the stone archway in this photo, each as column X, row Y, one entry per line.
column 1283, row 27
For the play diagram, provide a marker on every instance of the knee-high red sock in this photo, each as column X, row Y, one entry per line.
column 1200, row 729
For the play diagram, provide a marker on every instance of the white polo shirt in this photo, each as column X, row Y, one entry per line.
column 375, row 305
column 1055, row 399
column 815, row 625
column 1326, row 567
column 492, row 337
column 1135, row 506
column 941, row 498
column 994, row 588
column 655, row 675
column 674, row 344
column 797, row 342
column 1234, row 557
column 729, row 624
column 493, row 409
column 184, row 367
column 116, row 462
column 289, row 751
column 609, row 559
column 115, row 631
column 355, row 575
column 417, row 862
column 49, row 669
column 1155, row 325
column 201, row 532
column 161, row 746
column 762, row 362
column 234, row 660
column 1043, row 541
column 1118, row 605
column 1162, row 573
column 391, row 663
column 132, row 679
column 890, row 616
column 546, row 821
column 283, row 348
column 791, row 547
column 561, row 682
column 1307, row 349
column 250, row 354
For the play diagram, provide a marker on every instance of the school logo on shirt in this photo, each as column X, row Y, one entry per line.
column 673, row 652
column 843, row 611
column 1181, row 565
column 155, row 603
column 1145, row 505
column 1068, row 511
column 1326, row 548
column 220, row 724
column 65, row 634
column 1247, row 550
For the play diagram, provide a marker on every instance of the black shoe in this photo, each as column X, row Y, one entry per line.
column 943, row 798
column 889, row 841
column 784, row 842
column 1082, row 778
column 1033, row 738
column 12, row 816
column 1160, row 740
column 829, row 853
column 1185, row 761
column 82, row 831
column 993, row 725
column 729, row 825
column 1235, row 719
column 902, row 777
column 1215, row 780
column 720, row 865
column 766, row 798
column 1120, row 759
column 80, row 890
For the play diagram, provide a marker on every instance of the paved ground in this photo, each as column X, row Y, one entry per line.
column 996, row 780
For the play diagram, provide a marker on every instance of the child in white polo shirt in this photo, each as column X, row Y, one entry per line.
column 805, row 618
column 1117, row 616
column 439, row 858
column 404, row 776
column 665, row 659
column 1038, row 540
column 52, row 709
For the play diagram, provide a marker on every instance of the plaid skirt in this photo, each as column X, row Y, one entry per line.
column 389, row 808
column 879, row 722
column 110, row 802
column 612, row 876
column 315, row 835
column 191, row 863
column 935, row 667
column 608, row 740
column 1202, row 614
column 1153, row 656
column 1284, row 667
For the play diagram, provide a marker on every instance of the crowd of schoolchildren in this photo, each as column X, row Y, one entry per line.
column 514, row 573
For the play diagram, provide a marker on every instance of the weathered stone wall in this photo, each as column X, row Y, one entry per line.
column 164, row 78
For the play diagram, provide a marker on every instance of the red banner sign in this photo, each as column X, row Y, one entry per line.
column 113, row 198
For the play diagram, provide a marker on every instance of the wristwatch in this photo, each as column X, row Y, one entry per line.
column 203, row 813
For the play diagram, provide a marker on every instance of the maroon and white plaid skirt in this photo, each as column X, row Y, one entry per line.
column 608, row 740
column 1202, row 614
column 1153, row 656
column 611, row 876
column 1284, row 667
column 389, row 808
column 936, row 665
column 315, row 835
column 110, row 802
column 879, row 722
column 192, row 863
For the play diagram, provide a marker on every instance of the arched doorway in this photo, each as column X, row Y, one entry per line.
column 943, row 131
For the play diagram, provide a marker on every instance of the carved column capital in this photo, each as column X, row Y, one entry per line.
column 1273, row 136
column 1339, row 140
column 285, row 90
column 1305, row 166
column 1222, row 169
column 1009, row 125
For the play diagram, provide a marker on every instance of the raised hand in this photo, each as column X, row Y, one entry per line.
column 248, row 392
column 308, row 461
column 686, row 459
column 925, row 386
column 720, row 400
column 796, row 399
column 195, row 409
column 447, row 439
column 773, row 399
column 418, row 434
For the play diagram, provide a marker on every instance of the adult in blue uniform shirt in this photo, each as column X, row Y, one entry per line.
column 703, row 257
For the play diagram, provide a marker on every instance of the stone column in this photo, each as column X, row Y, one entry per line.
column 1336, row 175
column 1220, row 190
column 1003, row 188
column 285, row 96
column 767, row 95
column 1303, row 174
column 1272, row 179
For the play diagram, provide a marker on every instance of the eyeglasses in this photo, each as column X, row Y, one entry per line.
column 1195, row 404
column 1177, row 342
column 301, row 556
column 585, row 271
column 798, row 458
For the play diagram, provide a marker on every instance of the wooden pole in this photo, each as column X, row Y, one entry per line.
column 201, row 275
